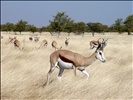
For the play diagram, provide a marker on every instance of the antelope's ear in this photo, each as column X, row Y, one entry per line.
column 100, row 47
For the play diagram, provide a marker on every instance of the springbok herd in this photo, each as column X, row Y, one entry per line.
column 43, row 43
column 46, row 67
column 66, row 59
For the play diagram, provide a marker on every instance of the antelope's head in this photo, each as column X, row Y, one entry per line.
column 100, row 56
column 103, row 42
column 99, row 53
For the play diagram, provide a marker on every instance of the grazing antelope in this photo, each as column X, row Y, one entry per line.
column 67, row 41
column 94, row 44
column 36, row 39
column 30, row 38
column 10, row 40
column 54, row 45
column 17, row 44
column 66, row 59
column 44, row 43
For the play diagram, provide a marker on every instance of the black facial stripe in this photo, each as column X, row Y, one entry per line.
column 101, row 55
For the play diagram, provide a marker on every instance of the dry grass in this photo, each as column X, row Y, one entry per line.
column 23, row 72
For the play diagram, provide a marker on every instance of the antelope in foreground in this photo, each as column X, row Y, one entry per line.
column 94, row 44
column 44, row 43
column 66, row 59
column 67, row 41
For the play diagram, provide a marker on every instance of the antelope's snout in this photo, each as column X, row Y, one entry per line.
column 104, row 61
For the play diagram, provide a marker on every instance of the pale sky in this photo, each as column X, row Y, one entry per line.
column 39, row 13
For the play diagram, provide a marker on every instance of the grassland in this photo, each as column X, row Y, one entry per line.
column 23, row 72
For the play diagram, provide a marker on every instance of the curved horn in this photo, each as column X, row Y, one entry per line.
column 101, row 41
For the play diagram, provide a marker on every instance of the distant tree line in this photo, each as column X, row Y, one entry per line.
column 63, row 23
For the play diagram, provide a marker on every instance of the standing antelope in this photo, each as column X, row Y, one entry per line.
column 94, row 44
column 67, row 41
column 17, row 44
column 66, row 59
column 44, row 43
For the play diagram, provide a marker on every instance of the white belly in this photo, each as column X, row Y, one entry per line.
column 65, row 65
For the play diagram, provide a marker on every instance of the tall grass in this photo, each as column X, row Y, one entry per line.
column 23, row 72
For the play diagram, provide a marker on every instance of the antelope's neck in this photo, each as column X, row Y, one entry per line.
column 91, row 59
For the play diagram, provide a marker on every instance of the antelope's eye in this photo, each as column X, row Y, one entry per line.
column 100, row 53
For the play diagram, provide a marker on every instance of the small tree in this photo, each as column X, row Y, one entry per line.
column 8, row 27
column 21, row 26
column 96, row 27
column 3, row 27
column 15, row 29
column 69, row 27
column 50, row 29
column 118, row 25
column 80, row 28
column 32, row 28
column 60, row 22
column 129, row 24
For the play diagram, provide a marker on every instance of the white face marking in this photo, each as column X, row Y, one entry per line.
column 65, row 65
column 100, row 56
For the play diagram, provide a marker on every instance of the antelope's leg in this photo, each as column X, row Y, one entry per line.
column 75, row 71
column 84, row 72
column 60, row 73
column 92, row 46
column 50, row 71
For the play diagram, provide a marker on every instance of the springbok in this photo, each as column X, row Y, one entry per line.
column 66, row 59
column 36, row 39
column 94, row 44
column 17, row 44
column 67, row 41
column 54, row 45
column 10, row 40
column 44, row 43
column 30, row 38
